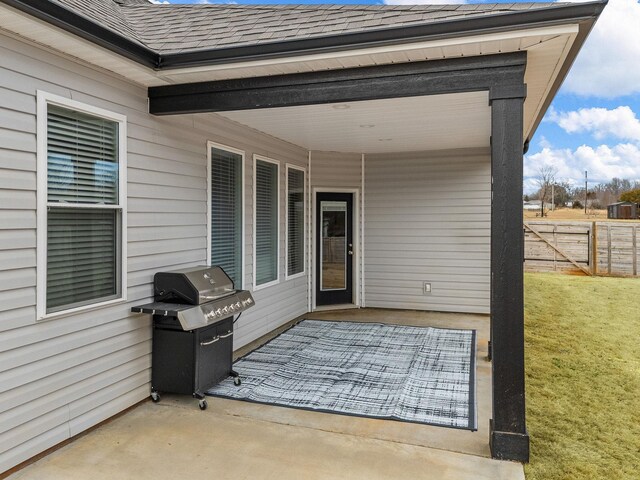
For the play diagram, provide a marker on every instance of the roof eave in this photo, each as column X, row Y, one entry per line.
column 579, row 12
column 72, row 22
column 585, row 26
column 68, row 20
column 584, row 14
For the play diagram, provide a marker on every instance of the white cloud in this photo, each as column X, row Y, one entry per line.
column 544, row 143
column 621, row 122
column 609, row 64
column 160, row 1
column 603, row 163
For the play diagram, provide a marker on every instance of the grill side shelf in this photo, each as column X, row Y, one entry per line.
column 161, row 308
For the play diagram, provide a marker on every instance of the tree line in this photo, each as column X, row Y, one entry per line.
column 562, row 193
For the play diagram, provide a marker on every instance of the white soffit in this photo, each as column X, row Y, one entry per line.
column 435, row 122
column 544, row 62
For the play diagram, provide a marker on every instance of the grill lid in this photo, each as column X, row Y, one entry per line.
column 195, row 285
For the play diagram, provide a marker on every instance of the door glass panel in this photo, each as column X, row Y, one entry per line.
column 334, row 245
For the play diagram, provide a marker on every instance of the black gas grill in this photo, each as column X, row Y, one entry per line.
column 193, row 317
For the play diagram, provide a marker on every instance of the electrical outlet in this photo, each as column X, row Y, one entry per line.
column 427, row 288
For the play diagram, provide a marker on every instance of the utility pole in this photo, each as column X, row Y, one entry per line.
column 586, row 194
column 553, row 197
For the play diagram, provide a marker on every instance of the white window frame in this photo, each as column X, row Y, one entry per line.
column 43, row 100
column 277, row 280
column 288, row 167
column 236, row 151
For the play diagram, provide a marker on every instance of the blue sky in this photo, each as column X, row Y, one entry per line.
column 594, row 121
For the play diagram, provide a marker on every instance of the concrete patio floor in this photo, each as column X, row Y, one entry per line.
column 238, row 440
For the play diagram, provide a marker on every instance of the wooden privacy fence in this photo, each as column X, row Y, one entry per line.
column 590, row 248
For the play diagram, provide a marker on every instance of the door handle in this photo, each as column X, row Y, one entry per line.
column 350, row 252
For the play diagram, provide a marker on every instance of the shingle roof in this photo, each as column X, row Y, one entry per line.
column 175, row 28
column 108, row 13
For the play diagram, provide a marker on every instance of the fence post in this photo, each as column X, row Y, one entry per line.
column 635, row 249
column 594, row 248
column 555, row 254
column 608, row 249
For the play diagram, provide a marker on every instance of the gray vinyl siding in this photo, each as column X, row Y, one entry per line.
column 61, row 376
column 335, row 170
column 427, row 218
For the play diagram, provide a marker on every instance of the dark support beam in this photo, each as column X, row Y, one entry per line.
column 498, row 74
column 509, row 438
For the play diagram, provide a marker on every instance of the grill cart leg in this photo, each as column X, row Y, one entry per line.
column 155, row 396
column 236, row 378
column 202, row 403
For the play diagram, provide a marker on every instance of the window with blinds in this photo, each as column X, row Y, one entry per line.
column 266, row 224
column 84, row 213
column 226, row 213
column 295, row 221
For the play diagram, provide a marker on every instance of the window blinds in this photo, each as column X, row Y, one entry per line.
column 82, row 243
column 226, row 213
column 295, row 221
column 266, row 235
column 82, row 158
column 81, row 256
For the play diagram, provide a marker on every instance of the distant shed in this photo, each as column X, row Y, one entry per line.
column 623, row 210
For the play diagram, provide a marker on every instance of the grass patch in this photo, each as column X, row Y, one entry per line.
column 583, row 377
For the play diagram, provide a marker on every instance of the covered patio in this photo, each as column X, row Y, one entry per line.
column 432, row 196
column 236, row 439
column 338, row 162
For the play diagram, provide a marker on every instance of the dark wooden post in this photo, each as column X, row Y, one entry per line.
column 509, row 439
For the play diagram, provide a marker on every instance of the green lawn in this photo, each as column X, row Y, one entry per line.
column 583, row 377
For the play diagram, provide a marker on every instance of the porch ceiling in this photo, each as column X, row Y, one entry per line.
column 434, row 122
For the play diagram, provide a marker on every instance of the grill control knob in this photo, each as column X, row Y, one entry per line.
column 225, row 310
column 238, row 304
column 232, row 308
column 218, row 311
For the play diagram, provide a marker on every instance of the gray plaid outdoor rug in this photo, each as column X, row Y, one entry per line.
column 413, row 374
